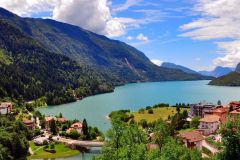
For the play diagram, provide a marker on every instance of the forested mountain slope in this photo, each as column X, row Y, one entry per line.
column 116, row 61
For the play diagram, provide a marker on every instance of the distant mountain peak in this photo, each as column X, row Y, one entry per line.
column 179, row 67
column 217, row 72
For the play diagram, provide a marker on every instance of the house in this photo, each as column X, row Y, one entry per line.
column 61, row 120
column 235, row 105
column 5, row 108
column 30, row 124
column 209, row 124
column 48, row 121
column 200, row 109
column 222, row 113
column 40, row 140
column 75, row 126
column 192, row 139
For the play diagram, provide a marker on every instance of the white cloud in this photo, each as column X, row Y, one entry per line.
column 220, row 19
column 142, row 37
column 126, row 5
column 130, row 38
column 95, row 16
column 157, row 62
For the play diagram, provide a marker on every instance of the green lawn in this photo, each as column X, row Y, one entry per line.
column 158, row 113
column 186, row 130
column 61, row 152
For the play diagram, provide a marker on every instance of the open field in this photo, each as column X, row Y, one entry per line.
column 158, row 113
column 61, row 152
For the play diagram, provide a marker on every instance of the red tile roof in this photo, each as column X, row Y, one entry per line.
column 210, row 118
column 193, row 136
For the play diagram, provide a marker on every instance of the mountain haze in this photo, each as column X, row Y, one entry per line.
column 175, row 66
column 217, row 72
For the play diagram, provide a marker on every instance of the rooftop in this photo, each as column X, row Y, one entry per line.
column 220, row 110
column 237, row 111
column 210, row 118
column 193, row 136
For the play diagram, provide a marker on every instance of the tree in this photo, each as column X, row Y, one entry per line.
column 85, row 128
column 53, row 127
column 74, row 134
column 60, row 115
column 219, row 103
column 178, row 109
column 230, row 132
column 195, row 122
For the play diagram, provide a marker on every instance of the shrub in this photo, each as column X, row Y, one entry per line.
column 150, row 111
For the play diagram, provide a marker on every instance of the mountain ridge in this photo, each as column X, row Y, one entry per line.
column 180, row 67
column 217, row 72
column 105, row 56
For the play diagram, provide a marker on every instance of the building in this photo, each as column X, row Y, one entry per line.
column 200, row 109
column 192, row 139
column 235, row 105
column 5, row 108
column 61, row 120
column 30, row 124
column 222, row 113
column 209, row 124
column 75, row 126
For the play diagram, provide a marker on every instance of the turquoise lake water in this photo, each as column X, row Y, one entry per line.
column 137, row 95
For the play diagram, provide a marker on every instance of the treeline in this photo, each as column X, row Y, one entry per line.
column 29, row 71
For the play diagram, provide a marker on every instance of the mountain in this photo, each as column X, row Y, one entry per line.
column 217, row 72
column 29, row 71
column 182, row 68
column 231, row 79
column 116, row 61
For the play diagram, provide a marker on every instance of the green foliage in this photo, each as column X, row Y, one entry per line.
column 35, row 72
column 13, row 138
column 121, row 115
column 129, row 142
column 53, row 127
column 195, row 122
column 74, row 134
column 150, row 111
column 230, row 132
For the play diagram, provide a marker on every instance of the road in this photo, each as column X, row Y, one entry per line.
column 210, row 147
column 78, row 142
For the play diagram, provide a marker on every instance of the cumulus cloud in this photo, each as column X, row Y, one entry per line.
column 220, row 19
column 157, row 62
column 142, row 37
column 95, row 16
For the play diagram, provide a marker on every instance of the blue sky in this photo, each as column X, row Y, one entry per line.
column 200, row 34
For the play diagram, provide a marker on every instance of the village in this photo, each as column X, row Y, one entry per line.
column 211, row 118
column 78, row 135
column 51, row 132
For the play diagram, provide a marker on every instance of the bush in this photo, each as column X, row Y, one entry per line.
column 52, row 146
column 74, row 134
column 150, row 111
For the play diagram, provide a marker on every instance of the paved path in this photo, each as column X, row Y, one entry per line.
column 79, row 143
column 210, row 147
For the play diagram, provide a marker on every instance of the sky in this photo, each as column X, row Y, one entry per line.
column 199, row 34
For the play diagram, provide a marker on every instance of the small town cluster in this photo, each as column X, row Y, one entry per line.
column 73, row 133
column 211, row 118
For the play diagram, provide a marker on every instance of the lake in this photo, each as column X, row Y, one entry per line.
column 137, row 95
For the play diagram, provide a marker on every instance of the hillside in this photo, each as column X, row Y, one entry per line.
column 116, row 61
column 175, row 66
column 28, row 71
column 232, row 79
column 217, row 72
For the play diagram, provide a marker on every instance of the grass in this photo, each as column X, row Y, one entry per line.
column 158, row 113
column 215, row 144
column 186, row 130
column 62, row 151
